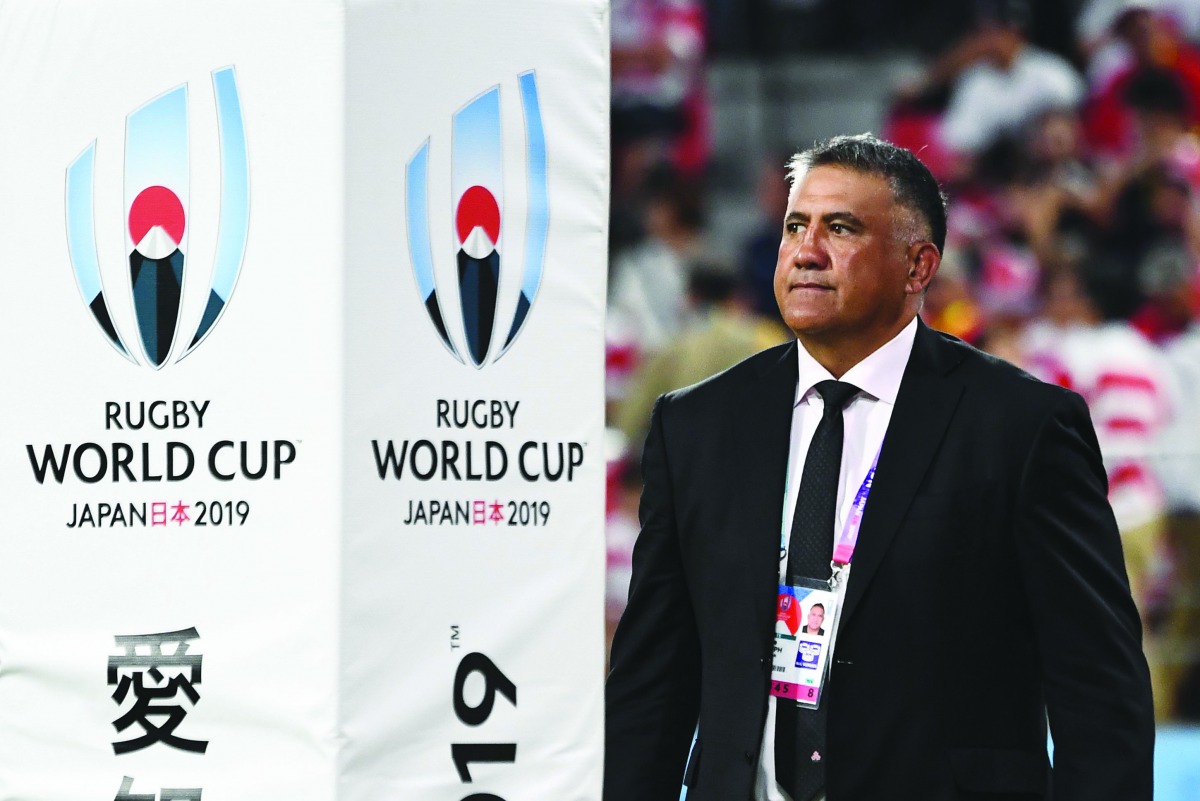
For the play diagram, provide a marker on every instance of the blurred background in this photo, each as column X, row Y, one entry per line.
column 1066, row 135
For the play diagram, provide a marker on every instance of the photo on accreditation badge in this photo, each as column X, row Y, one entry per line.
column 814, row 620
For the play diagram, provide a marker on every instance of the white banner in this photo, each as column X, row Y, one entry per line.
column 301, row 464
column 473, row 556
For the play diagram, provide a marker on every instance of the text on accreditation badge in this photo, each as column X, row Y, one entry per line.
column 804, row 617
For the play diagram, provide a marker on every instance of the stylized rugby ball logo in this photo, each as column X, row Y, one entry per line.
column 477, row 195
column 156, row 196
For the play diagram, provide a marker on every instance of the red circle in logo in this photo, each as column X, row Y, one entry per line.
column 477, row 208
column 156, row 206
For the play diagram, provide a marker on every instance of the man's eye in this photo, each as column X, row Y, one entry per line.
column 838, row 228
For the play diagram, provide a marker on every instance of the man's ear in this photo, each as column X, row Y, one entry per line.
column 923, row 262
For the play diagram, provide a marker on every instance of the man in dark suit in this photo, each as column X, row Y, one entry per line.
column 987, row 511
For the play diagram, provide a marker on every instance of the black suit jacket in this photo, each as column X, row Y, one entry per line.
column 987, row 592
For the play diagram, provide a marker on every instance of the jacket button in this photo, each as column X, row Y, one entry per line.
column 750, row 757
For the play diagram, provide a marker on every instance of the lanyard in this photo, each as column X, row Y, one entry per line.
column 843, row 549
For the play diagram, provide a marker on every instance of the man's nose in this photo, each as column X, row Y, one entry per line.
column 808, row 252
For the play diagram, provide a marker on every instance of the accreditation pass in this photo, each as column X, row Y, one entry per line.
column 804, row 621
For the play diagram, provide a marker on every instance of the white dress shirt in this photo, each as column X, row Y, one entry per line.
column 866, row 419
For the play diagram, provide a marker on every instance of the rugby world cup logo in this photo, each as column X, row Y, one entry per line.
column 481, row 238
column 156, row 206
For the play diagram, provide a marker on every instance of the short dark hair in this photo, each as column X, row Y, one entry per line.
column 710, row 283
column 913, row 185
column 814, row 606
column 1008, row 13
column 1152, row 89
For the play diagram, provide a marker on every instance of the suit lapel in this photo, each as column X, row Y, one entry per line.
column 759, row 456
column 924, row 406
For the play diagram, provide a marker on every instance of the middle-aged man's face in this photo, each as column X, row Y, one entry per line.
column 816, row 616
column 843, row 259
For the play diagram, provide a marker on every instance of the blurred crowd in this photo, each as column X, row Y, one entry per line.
column 1074, row 239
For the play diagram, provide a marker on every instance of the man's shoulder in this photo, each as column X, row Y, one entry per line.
column 991, row 379
column 995, row 379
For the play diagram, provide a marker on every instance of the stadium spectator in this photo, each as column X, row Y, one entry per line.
column 721, row 332
column 620, row 530
column 761, row 248
column 648, row 285
column 1144, row 38
column 1177, row 460
column 658, row 85
column 999, row 82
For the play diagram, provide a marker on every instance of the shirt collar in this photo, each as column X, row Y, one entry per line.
column 878, row 375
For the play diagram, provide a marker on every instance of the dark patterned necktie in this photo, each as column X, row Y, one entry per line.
column 800, row 732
